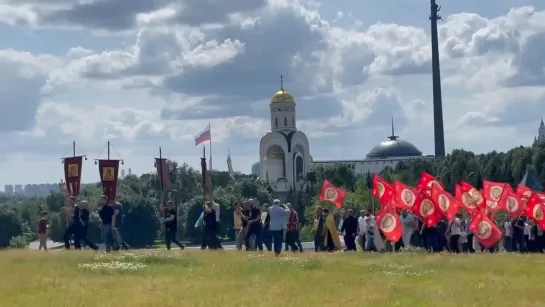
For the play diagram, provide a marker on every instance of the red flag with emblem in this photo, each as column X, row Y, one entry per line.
column 404, row 196
column 469, row 196
column 492, row 193
column 389, row 222
column 332, row 193
column 534, row 210
column 523, row 191
column 427, row 181
column 447, row 203
column 486, row 232
column 382, row 189
column 511, row 202
column 426, row 209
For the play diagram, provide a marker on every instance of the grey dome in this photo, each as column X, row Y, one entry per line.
column 393, row 148
column 256, row 169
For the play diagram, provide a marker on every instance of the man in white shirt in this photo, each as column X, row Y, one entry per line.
column 361, row 230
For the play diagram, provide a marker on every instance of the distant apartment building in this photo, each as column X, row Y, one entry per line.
column 8, row 189
column 18, row 189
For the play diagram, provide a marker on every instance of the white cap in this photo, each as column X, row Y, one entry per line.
column 276, row 202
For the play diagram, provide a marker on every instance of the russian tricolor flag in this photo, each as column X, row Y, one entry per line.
column 203, row 136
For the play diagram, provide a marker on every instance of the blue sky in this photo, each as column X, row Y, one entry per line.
column 145, row 75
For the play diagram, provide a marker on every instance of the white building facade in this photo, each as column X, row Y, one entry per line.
column 284, row 151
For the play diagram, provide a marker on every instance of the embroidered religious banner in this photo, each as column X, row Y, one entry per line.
column 72, row 174
column 108, row 176
column 162, row 172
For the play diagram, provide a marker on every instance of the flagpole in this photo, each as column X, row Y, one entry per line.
column 210, row 144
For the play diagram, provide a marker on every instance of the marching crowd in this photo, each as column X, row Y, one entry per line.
column 277, row 226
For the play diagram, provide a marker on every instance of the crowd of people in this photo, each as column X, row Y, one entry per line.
column 277, row 227
column 77, row 224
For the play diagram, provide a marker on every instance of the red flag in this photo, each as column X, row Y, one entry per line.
column 427, row 181
column 534, row 210
column 523, row 191
column 72, row 174
column 404, row 196
column 162, row 172
column 492, row 193
column 447, row 203
column 332, row 193
column 108, row 176
column 426, row 209
column 511, row 202
column 487, row 233
column 389, row 222
column 382, row 189
column 471, row 199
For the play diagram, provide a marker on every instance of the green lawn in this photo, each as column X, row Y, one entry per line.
column 196, row 278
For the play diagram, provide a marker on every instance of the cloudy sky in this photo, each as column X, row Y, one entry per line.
column 150, row 73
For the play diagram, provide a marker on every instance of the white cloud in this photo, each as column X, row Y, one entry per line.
column 179, row 71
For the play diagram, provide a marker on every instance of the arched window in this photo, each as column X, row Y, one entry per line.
column 285, row 121
column 276, row 121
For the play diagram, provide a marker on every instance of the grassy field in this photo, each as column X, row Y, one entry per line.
column 195, row 278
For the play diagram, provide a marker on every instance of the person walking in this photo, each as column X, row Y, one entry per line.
column 277, row 216
column 171, row 225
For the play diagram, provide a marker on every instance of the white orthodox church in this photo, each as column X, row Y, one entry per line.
column 284, row 151
column 284, row 156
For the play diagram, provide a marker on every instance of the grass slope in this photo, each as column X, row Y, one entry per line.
column 195, row 278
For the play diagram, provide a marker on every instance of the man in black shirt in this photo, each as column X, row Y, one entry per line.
column 107, row 216
column 171, row 226
column 84, row 214
column 350, row 230
column 211, row 227
column 73, row 224
column 517, row 226
column 254, row 226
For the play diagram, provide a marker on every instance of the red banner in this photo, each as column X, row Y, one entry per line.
column 162, row 172
column 108, row 176
column 72, row 174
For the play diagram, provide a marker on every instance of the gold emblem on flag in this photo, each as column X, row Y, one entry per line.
column 484, row 230
column 408, row 197
column 388, row 223
column 108, row 174
column 426, row 207
column 73, row 170
column 331, row 194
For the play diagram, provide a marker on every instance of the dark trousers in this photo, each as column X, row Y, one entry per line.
column 266, row 235
column 254, row 231
column 398, row 245
column 119, row 243
column 517, row 241
column 86, row 239
column 431, row 242
column 330, row 246
column 350, row 242
column 293, row 241
column 540, row 243
column 170, row 237
column 210, row 239
column 277, row 237
column 318, row 243
column 454, row 239
column 470, row 243
column 73, row 230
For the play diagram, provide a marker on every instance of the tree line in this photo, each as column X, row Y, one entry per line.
column 140, row 195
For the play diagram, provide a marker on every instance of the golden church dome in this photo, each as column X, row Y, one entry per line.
column 282, row 96
column 310, row 159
